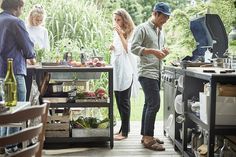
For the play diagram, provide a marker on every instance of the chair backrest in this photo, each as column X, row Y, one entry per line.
column 28, row 133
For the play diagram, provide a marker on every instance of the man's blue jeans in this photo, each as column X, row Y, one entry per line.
column 21, row 96
column 151, row 106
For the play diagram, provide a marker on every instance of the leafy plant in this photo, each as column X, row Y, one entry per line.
column 67, row 45
column 40, row 54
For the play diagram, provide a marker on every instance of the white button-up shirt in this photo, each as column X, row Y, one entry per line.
column 122, row 67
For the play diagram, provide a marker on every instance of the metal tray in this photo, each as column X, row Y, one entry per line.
column 55, row 99
column 50, row 64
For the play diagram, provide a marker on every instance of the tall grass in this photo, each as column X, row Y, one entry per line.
column 79, row 20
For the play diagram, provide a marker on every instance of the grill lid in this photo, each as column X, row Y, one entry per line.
column 209, row 31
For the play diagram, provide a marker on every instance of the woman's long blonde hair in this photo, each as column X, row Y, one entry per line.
column 37, row 10
column 127, row 21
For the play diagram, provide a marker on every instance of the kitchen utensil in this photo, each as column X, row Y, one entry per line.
column 220, row 62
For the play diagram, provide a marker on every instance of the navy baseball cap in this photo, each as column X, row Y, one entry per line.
column 163, row 8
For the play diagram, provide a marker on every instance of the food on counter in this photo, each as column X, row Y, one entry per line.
column 95, row 60
column 89, row 63
column 98, row 64
column 75, row 63
column 80, row 95
column 99, row 93
column 89, row 94
column 95, row 63
column 100, row 90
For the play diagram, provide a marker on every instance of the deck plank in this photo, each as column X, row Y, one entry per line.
column 129, row 147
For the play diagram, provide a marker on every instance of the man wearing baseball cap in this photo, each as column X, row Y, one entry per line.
column 148, row 44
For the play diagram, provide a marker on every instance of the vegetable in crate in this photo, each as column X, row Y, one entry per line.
column 80, row 95
column 81, row 122
column 104, row 123
column 89, row 94
column 76, row 124
column 92, row 122
column 101, row 93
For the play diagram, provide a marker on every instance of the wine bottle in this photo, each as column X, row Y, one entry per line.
column 10, row 86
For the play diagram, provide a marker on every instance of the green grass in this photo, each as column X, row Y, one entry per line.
column 137, row 108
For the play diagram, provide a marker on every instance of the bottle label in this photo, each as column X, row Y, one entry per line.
column 10, row 89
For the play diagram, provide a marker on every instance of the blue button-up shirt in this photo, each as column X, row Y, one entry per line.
column 14, row 43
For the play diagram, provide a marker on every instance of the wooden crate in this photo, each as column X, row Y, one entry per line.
column 57, row 126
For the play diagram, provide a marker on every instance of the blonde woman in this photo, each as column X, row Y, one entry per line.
column 121, row 60
column 37, row 32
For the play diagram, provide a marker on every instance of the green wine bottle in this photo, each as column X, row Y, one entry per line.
column 10, row 86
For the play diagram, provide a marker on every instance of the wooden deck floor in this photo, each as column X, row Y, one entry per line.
column 126, row 148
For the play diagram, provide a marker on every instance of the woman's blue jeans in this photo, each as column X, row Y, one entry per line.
column 21, row 96
column 151, row 106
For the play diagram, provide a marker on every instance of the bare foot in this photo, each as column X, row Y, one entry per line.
column 118, row 133
column 119, row 137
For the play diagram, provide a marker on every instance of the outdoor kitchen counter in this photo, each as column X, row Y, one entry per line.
column 200, row 69
column 62, row 68
column 214, row 72
column 38, row 69
column 38, row 72
column 193, row 81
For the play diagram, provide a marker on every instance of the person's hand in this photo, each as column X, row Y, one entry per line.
column 159, row 54
column 31, row 61
column 119, row 30
column 166, row 51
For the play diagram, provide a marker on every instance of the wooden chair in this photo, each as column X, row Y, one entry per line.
column 28, row 133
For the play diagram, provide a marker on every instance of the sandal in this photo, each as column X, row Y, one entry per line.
column 153, row 145
column 157, row 139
